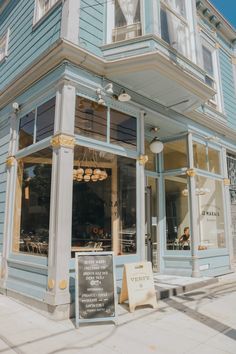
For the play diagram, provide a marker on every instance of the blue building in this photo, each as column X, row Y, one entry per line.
column 117, row 132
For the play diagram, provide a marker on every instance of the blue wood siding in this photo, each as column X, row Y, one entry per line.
column 4, row 142
column 228, row 88
column 25, row 43
column 91, row 32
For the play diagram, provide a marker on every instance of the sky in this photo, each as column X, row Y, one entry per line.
column 227, row 8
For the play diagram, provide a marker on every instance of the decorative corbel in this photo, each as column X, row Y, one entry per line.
column 143, row 159
column 227, row 182
column 10, row 161
column 191, row 172
column 64, row 140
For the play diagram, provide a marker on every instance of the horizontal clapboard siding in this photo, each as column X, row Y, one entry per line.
column 25, row 43
column 4, row 143
column 228, row 88
column 91, row 33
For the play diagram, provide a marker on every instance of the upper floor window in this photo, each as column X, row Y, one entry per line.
column 4, row 45
column 37, row 124
column 174, row 25
column 210, row 65
column 124, row 20
column 42, row 7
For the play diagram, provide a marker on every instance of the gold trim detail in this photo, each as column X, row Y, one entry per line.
column 191, row 172
column 234, row 60
column 51, row 284
column 217, row 45
column 227, row 182
column 64, row 140
column 63, row 284
column 143, row 159
column 10, row 161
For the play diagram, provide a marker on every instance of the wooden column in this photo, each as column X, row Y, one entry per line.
column 61, row 199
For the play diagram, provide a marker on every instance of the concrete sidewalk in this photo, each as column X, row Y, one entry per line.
column 184, row 324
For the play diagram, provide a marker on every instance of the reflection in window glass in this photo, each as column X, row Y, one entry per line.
column 90, row 119
column 175, row 154
column 32, row 203
column 152, row 158
column 177, row 212
column 123, row 129
column 104, row 202
column 209, row 195
column 214, row 160
column 26, row 130
column 45, row 120
column 200, row 156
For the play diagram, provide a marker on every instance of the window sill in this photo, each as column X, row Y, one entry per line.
column 37, row 23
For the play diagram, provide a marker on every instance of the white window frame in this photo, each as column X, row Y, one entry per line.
column 211, row 45
column 4, row 44
column 188, row 22
column 38, row 17
column 111, row 19
column 234, row 73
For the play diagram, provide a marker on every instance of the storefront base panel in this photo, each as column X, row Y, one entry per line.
column 177, row 265
column 214, row 265
column 60, row 312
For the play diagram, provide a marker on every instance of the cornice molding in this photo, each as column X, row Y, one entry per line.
column 63, row 51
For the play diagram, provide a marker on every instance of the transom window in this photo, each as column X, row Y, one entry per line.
column 174, row 25
column 124, row 20
column 105, row 124
column 37, row 124
column 4, row 45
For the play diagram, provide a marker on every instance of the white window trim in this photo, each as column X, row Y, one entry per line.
column 52, row 4
column 5, row 38
column 110, row 15
column 211, row 45
column 234, row 74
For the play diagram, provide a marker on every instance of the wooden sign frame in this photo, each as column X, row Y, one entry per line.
column 138, row 288
column 79, row 320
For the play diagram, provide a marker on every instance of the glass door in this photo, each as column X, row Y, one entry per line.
column 151, row 237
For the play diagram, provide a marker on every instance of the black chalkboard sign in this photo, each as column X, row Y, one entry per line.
column 95, row 287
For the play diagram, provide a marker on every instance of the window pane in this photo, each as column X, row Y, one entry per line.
column 177, row 213
column 214, row 160
column 127, row 20
column 104, row 209
column 26, row 130
column 90, row 119
column 45, row 120
column 152, row 158
column 207, row 61
column 123, row 129
column 32, row 203
column 210, row 213
column 175, row 154
column 200, row 156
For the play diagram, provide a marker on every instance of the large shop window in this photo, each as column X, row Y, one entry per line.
column 127, row 20
column 210, row 204
column 93, row 121
column 37, row 124
column 32, row 203
column 206, row 158
column 174, row 25
column 175, row 154
column 177, row 213
column 104, row 202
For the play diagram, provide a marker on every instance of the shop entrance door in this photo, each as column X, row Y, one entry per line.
column 151, row 239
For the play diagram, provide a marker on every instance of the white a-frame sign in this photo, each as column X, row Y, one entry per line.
column 138, row 285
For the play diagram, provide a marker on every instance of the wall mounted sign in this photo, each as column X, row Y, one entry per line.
column 95, row 287
column 138, row 285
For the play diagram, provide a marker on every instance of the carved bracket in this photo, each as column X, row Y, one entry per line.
column 64, row 140
column 191, row 172
column 10, row 161
column 143, row 159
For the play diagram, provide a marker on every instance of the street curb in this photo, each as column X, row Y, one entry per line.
column 166, row 293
